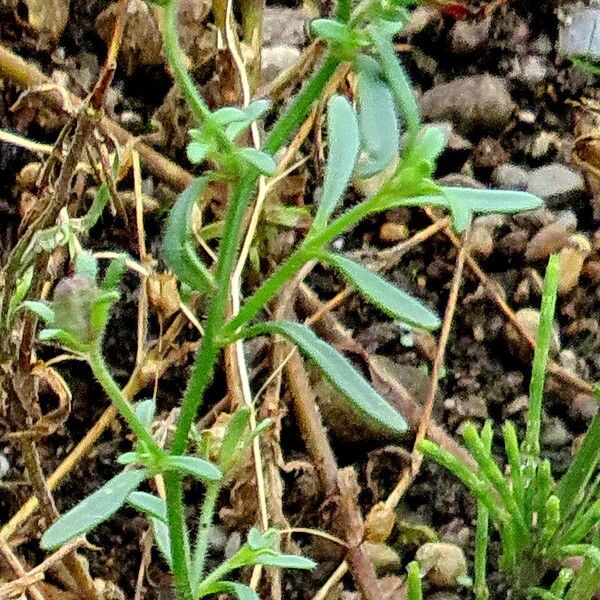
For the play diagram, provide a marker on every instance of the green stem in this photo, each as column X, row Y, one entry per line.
column 305, row 252
column 204, row 525
column 176, row 522
column 113, row 391
column 176, row 60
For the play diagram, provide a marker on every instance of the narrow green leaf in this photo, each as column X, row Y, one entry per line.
column 197, row 152
column 194, row 466
column 241, row 591
column 86, row 264
column 128, row 458
column 285, row 561
column 235, row 431
column 258, row 540
column 162, row 539
column 343, row 141
column 389, row 298
column 228, row 114
column 377, row 119
column 338, row 370
column 256, row 109
column 92, row 511
column 330, row 30
column 41, row 309
column 149, row 504
column 415, row 587
column 465, row 202
column 261, row 160
column 145, row 410
column 114, row 273
column 178, row 244
column 63, row 337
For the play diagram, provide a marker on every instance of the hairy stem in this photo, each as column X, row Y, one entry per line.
column 204, row 525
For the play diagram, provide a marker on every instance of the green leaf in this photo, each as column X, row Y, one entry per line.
column 239, row 590
column 92, row 511
column 229, row 114
column 63, row 337
column 234, row 434
column 128, row 458
column 149, row 504
column 389, row 298
column 41, row 309
column 379, row 131
column 343, row 141
column 145, row 411
column 464, row 202
column 261, row 160
column 194, row 466
column 197, row 152
column 114, row 273
column 178, row 244
column 285, row 561
column 338, row 370
column 162, row 539
column 86, row 264
column 258, row 540
column 256, row 109
column 330, row 30
column 21, row 289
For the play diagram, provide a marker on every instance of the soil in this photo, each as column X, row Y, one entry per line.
column 486, row 369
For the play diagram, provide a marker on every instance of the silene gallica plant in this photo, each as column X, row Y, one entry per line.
column 382, row 127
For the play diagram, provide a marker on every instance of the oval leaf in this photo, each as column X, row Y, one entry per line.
column 285, row 561
column 338, row 370
column 194, row 466
column 197, row 152
column 261, row 160
column 178, row 245
column 92, row 511
column 162, row 539
column 40, row 309
column 342, row 139
column 149, row 504
column 379, row 130
column 241, row 591
column 389, row 298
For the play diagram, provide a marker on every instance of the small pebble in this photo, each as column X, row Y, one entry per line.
column 468, row 36
column 510, row 177
column 547, row 240
column 276, row 60
column 392, row 233
column 557, row 184
column 4, row 466
column 284, row 26
column 477, row 104
column 572, row 257
column 443, row 563
column 481, row 242
column 568, row 359
column 529, row 318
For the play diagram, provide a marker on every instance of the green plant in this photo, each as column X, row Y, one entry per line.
column 360, row 144
column 541, row 523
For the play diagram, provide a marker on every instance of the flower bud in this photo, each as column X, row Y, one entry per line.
column 74, row 298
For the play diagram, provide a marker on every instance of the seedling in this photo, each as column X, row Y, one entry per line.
column 541, row 523
column 362, row 142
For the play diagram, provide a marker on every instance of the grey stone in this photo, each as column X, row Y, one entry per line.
column 276, row 60
column 468, row 36
column 557, row 184
column 580, row 35
column 284, row 26
column 511, row 177
column 533, row 70
column 478, row 104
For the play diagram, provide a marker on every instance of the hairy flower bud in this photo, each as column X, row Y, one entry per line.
column 74, row 298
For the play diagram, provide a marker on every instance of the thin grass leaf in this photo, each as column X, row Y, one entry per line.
column 540, row 357
column 338, row 370
column 343, row 142
column 377, row 119
column 585, row 581
column 162, row 539
column 178, row 244
column 92, row 511
column 389, row 298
